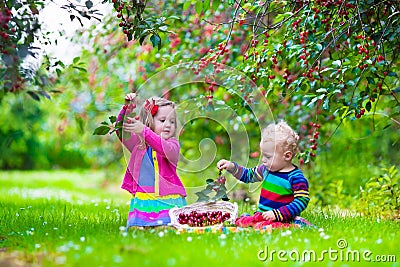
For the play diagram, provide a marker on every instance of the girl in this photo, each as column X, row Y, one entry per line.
column 151, row 175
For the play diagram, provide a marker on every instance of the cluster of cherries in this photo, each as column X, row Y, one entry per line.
column 315, row 136
column 201, row 219
column 5, row 18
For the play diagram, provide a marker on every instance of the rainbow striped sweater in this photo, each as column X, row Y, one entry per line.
column 285, row 193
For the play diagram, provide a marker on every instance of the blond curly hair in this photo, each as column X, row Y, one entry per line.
column 281, row 134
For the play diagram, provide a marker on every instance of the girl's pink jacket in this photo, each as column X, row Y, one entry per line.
column 167, row 153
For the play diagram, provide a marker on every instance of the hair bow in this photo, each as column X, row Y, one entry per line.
column 151, row 107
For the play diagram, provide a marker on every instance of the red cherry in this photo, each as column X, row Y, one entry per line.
column 137, row 118
column 314, row 147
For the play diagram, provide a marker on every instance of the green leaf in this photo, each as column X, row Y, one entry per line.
column 33, row 9
column 33, row 95
column 156, row 41
column 350, row 83
column 101, row 130
column 209, row 181
column 215, row 4
column 370, row 80
column 89, row 4
column 112, row 119
column 202, row 197
column 186, row 5
column 199, row 7
column 220, row 194
column 368, row 106
column 319, row 47
column 141, row 40
column 206, row 5
column 174, row 17
column 206, row 191
column 322, row 90
column 325, row 106
column 163, row 28
column 337, row 63
column 81, row 124
column 76, row 60
column 23, row 50
column 225, row 198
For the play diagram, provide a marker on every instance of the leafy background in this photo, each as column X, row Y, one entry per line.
column 314, row 61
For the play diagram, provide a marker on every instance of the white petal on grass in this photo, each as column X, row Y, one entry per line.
column 46, row 193
column 82, row 238
column 88, row 250
column 37, row 246
column 189, row 239
column 61, row 260
column 161, row 234
column 379, row 241
column 171, row 262
column 117, row 258
column 286, row 233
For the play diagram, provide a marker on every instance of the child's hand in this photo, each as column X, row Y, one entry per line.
column 269, row 216
column 225, row 164
column 131, row 97
column 132, row 125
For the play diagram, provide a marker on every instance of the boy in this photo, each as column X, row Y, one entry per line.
column 284, row 193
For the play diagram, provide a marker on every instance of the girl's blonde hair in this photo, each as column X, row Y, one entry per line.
column 147, row 118
column 281, row 134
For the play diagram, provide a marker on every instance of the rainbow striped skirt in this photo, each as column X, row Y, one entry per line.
column 146, row 209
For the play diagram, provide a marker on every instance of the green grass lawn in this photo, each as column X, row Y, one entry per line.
column 66, row 218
